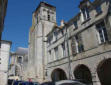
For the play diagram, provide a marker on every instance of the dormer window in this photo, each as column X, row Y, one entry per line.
column 85, row 13
column 75, row 24
column 98, row 9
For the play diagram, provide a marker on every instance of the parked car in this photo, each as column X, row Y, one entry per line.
column 48, row 83
column 69, row 82
column 16, row 82
column 28, row 83
column 81, row 80
column 36, row 83
column 10, row 82
column 84, row 81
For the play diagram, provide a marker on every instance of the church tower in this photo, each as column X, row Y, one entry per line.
column 44, row 19
column 45, row 13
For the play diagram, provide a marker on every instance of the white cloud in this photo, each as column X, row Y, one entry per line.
column 22, row 51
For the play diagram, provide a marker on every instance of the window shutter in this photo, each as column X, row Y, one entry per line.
column 73, row 45
column 81, row 47
column 80, row 39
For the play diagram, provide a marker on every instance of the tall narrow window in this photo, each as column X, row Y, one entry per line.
column 0, row 60
column 49, row 41
column 37, row 20
column 56, row 35
column 56, row 53
column 75, row 24
column 48, row 17
column 85, row 13
column 49, row 59
column 63, row 49
column 79, row 44
column 101, row 32
column 62, row 31
column 109, row 9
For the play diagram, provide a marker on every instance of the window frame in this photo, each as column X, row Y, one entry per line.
column 79, row 45
column 101, row 32
column 86, row 14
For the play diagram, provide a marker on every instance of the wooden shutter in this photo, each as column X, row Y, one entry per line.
column 73, row 45
column 80, row 42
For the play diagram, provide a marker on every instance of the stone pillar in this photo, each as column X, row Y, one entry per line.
column 95, row 79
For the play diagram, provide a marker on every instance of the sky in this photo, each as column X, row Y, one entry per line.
column 19, row 18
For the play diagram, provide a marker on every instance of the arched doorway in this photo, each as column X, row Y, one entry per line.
column 104, row 72
column 58, row 74
column 83, row 74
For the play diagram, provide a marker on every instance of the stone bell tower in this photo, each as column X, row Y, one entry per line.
column 44, row 19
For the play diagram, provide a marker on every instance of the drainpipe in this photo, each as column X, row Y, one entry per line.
column 69, row 60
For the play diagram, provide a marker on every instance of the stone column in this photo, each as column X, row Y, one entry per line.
column 95, row 79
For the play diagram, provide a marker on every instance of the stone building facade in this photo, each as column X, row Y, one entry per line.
column 18, row 64
column 4, row 59
column 79, row 49
column 4, row 46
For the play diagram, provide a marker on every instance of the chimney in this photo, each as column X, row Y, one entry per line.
column 62, row 23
